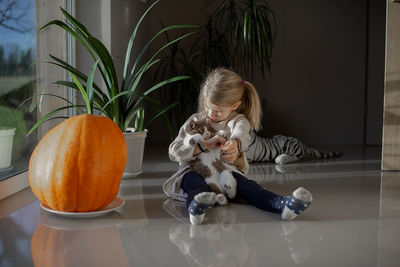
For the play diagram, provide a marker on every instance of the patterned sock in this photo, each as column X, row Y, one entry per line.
column 199, row 205
column 295, row 204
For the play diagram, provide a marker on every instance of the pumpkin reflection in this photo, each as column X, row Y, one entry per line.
column 93, row 247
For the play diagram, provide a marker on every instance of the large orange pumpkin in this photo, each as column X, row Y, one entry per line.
column 77, row 166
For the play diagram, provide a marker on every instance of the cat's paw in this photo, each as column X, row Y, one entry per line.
column 221, row 200
column 229, row 183
column 196, row 139
column 230, row 188
column 285, row 159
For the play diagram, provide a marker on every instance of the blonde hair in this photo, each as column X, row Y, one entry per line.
column 225, row 88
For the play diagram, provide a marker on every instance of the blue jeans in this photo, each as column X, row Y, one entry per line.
column 247, row 190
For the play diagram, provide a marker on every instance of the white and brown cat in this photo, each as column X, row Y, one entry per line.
column 209, row 163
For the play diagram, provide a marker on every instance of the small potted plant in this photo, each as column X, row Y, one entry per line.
column 6, row 144
column 11, row 122
column 122, row 103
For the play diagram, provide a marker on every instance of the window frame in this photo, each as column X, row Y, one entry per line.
column 57, row 42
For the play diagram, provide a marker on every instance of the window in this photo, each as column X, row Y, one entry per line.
column 17, row 83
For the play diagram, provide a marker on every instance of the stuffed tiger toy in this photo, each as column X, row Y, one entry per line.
column 283, row 150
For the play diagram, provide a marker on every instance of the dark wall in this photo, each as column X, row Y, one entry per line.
column 375, row 71
column 327, row 64
column 316, row 90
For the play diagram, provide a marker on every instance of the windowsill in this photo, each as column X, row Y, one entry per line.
column 14, row 194
column 13, row 184
column 13, row 172
column 15, row 202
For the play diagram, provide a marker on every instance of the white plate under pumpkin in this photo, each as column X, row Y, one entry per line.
column 115, row 204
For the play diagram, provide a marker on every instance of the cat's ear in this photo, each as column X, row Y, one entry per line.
column 190, row 126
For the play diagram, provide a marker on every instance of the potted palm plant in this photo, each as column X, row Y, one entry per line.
column 246, row 31
column 123, row 103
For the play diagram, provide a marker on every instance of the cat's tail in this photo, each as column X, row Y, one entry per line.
column 313, row 153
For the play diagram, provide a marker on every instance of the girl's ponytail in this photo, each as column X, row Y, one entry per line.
column 250, row 106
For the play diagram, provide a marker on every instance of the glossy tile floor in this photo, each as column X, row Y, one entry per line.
column 353, row 221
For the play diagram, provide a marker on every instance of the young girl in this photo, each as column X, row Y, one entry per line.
column 232, row 105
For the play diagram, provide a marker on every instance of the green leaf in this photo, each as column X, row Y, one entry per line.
column 79, row 26
column 61, row 63
column 141, row 120
column 105, row 57
column 131, row 40
column 89, row 84
column 142, row 52
column 71, row 31
column 170, row 80
column 150, row 61
column 98, row 48
column 114, row 98
column 161, row 113
column 100, row 97
column 44, row 118
column 167, row 122
column 134, row 80
column 56, row 96
column 129, row 119
column 143, row 96
column 137, row 120
column 86, row 42
column 83, row 93
column 96, row 98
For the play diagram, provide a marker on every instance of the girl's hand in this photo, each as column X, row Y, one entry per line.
column 230, row 150
column 213, row 142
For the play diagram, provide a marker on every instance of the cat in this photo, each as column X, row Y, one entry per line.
column 283, row 150
column 209, row 164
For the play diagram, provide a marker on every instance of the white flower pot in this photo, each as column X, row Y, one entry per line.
column 135, row 142
column 6, row 144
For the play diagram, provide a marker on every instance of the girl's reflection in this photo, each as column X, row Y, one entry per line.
column 219, row 244
column 225, row 242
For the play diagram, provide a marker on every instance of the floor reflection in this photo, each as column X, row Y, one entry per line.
column 224, row 241
column 284, row 174
column 389, row 233
column 59, row 241
column 13, row 238
column 15, row 234
column 353, row 221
